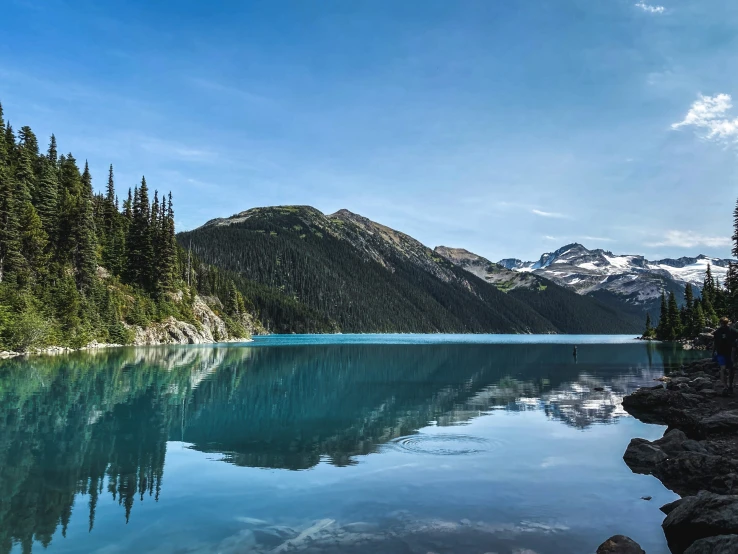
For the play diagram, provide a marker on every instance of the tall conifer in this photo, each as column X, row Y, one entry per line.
column 675, row 323
column 52, row 153
column 85, row 255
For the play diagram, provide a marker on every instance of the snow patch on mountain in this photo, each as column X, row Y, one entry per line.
column 633, row 276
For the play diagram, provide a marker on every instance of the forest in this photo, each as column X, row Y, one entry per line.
column 715, row 300
column 78, row 266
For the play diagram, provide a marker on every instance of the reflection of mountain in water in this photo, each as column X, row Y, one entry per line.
column 98, row 422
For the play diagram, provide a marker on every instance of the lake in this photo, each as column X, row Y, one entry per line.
column 345, row 443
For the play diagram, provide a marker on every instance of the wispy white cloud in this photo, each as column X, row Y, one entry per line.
column 549, row 237
column 223, row 89
column 690, row 239
column 177, row 150
column 548, row 214
column 650, row 9
column 598, row 239
column 708, row 114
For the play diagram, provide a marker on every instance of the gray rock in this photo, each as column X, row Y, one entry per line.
column 668, row 508
column 620, row 544
column 688, row 473
column 700, row 383
column 720, row 423
column 698, row 517
column 642, row 456
column 722, row 544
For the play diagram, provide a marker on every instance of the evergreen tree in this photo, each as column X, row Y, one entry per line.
column 11, row 261
column 674, row 330
column 111, row 210
column 33, row 242
column 85, row 255
column 28, row 141
column 708, row 286
column 168, row 254
column 688, row 309
column 140, row 249
column 47, row 197
column 662, row 329
column 699, row 320
column 52, row 153
column 24, row 178
column 648, row 333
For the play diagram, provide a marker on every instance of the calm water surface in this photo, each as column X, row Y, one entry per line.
column 349, row 443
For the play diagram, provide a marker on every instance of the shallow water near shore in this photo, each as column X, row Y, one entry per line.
column 344, row 443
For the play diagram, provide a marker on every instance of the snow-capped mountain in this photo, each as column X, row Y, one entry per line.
column 634, row 277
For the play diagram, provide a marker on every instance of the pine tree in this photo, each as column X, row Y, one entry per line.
column 33, row 242
column 47, row 197
column 648, row 333
column 11, row 261
column 86, row 253
column 111, row 210
column 52, row 153
column 24, row 178
column 168, row 269
column 688, row 309
column 708, row 286
column 140, row 249
column 3, row 149
column 699, row 320
column 28, row 141
column 10, row 146
column 662, row 329
column 675, row 323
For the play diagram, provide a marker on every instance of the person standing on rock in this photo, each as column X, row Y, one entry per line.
column 724, row 341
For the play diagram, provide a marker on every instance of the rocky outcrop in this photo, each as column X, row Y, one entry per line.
column 620, row 544
column 697, row 457
column 701, row 516
column 699, row 451
column 210, row 329
column 723, row 544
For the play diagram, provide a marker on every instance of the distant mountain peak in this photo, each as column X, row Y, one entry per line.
column 631, row 276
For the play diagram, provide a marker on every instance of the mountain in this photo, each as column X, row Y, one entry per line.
column 366, row 277
column 560, row 305
column 629, row 279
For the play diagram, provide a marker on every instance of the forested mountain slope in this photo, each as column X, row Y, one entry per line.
column 78, row 266
column 366, row 277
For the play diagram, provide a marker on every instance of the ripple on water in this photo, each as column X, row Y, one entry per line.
column 443, row 444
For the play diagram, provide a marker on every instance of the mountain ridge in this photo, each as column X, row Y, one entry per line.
column 367, row 277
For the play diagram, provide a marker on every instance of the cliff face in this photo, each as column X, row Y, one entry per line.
column 209, row 329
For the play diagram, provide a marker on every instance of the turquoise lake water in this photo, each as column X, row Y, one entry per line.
column 345, row 443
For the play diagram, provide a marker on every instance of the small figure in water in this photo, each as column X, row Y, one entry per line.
column 575, row 353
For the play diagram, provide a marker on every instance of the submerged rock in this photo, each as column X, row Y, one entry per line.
column 620, row 544
column 698, row 517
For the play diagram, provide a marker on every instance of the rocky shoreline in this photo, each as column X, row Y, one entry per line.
column 210, row 329
column 697, row 457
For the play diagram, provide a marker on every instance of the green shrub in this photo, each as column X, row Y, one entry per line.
column 27, row 330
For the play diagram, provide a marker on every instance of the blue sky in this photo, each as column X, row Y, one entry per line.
column 508, row 128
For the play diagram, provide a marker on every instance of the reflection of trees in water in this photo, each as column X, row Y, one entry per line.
column 97, row 423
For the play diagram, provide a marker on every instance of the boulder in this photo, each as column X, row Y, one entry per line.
column 700, row 383
column 722, row 544
column 698, row 517
column 690, row 472
column 668, row 508
column 661, row 406
column 642, row 456
column 620, row 544
column 721, row 423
